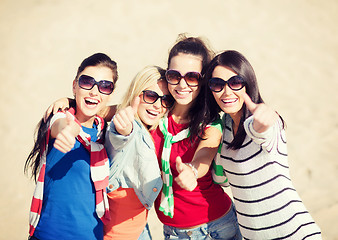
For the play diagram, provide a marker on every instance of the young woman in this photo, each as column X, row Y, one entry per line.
column 183, row 135
column 135, row 178
column 70, row 165
column 254, row 155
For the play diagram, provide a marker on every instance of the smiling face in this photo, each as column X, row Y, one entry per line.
column 150, row 114
column 183, row 63
column 230, row 101
column 90, row 102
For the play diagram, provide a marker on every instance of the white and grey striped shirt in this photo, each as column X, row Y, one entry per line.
column 267, row 204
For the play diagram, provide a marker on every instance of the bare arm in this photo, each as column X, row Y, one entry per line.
column 60, row 104
column 206, row 151
column 202, row 160
column 108, row 113
column 64, row 103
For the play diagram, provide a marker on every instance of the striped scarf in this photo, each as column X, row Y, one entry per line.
column 99, row 171
column 217, row 170
column 167, row 197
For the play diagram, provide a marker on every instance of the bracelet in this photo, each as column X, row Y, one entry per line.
column 193, row 169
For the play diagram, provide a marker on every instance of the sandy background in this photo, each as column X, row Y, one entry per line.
column 292, row 44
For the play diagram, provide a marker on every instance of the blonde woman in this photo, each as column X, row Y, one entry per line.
column 135, row 178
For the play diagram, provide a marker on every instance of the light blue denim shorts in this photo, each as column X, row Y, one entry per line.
column 225, row 227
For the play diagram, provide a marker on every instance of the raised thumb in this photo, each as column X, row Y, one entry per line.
column 179, row 165
column 69, row 118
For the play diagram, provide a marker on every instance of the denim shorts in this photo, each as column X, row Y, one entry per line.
column 225, row 227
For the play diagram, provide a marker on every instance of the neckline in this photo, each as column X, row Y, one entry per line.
column 181, row 125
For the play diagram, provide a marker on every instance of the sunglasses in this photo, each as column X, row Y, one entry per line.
column 191, row 78
column 235, row 83
column 150, row 97
column 88, row 82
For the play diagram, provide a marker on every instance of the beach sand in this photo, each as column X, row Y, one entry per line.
column 292, row 45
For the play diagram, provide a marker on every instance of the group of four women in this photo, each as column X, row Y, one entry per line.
column 167, row 145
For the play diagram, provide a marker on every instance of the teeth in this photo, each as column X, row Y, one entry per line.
column 229, row 100
column 182, row 93
column 92, row 101
column 154, row 113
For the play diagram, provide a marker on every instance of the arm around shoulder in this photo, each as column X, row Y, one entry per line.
column 200, row 165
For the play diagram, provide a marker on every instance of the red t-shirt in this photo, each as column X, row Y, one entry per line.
column 206, row 203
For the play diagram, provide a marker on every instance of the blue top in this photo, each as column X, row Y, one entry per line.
column 68, row 210
column 134, row 163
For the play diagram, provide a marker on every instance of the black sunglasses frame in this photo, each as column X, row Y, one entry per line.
column 184, row 77
column 228, row 82
column 157, row 97
column 100, row 84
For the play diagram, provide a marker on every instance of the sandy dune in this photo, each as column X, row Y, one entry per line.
column 293, row 46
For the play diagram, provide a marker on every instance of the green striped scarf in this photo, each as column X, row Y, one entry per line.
column 217, row 170
column 167, row 197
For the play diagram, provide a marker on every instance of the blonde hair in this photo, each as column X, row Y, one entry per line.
column 144, row 79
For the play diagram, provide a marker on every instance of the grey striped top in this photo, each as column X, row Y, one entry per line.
column 268, row 206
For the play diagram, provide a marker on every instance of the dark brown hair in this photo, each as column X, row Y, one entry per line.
column 198, row 47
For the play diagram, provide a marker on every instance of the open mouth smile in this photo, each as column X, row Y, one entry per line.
column 153, row 113
column 91, row 101
column 229, row 101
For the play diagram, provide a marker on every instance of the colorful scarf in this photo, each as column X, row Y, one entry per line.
column 99, row 170
column 217, row 170
column 167, row 199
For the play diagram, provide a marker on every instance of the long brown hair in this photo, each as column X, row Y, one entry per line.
column 34, row 158
column 196, row 46
column 240, row 65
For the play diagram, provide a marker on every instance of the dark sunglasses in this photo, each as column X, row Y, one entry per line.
column 191, row 78
column 150, row 97
column 235, row 83
column 88, row 82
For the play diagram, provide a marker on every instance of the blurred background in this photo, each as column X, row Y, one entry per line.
column 292, row 45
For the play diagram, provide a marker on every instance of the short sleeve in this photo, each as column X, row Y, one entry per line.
column 218, row 123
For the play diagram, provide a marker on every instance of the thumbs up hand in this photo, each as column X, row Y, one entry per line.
column 264, row 116
column 65, row 139
column 186, row 178
column 124, row 118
